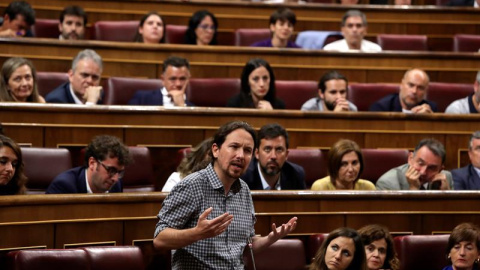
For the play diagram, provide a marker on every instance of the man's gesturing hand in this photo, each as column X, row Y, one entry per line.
column 211, row 228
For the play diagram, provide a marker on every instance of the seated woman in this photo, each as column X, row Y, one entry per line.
column 258, row 88
column 12, row 179
column 202, row 29
column 379, row 248
column 345, row 165
column 197, row 159
column 18, row 81
column 151, row 29
column 342, row 250
column 463, row 249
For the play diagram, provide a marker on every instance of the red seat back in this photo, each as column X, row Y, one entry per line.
column 315, row 241
column 295, row 93
column 421, row 252
column 46, row 28
column 212, row 92
column 139, row 174
column 42, row 165
column 379, row 161
column 445, row 93
column 248, row 36
column 363, row 95
column 116, row 30
column 312, row 161
column 466, row 43
column 120, row 90
column 403, row 42
column 175, row 34
column 48, row 81
column 40, row 259
column 285, row 254
column 115, row 257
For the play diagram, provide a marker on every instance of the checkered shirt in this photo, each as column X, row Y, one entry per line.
column 190, row 198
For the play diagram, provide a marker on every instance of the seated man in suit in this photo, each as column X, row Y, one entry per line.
column 468, row 177
column 469, row 104
column 176, row 75
column 17, row 19
column 105, row 161
column 332, row 95
column 423, row 171
column 73, row 20
column 84, row 80
column 270, row 169
column 411, row 98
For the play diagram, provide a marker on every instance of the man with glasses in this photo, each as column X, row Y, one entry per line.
column 83, row 86
column 176, row 75
column 105, row 161
column 354, row 29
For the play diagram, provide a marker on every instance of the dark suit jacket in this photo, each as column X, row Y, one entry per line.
column 150, row 97
column 391, row 103
column 461, row 3
column 73, row 181
column 292, row 176
column 465, row 178
column 60, row 94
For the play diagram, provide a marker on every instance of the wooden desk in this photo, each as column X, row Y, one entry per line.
column 141, row 60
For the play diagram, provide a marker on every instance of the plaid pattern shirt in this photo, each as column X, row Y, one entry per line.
column 190, row 198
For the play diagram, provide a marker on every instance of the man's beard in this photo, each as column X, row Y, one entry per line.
column 270, row 172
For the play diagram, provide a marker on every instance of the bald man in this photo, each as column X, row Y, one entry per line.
column 411, row 98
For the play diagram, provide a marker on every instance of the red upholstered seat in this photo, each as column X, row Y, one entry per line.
column 403, row 42
column 48, row 81
column 285, row 254
column 120, row 90
column 175, row 34
column 363, row 95
column 379, row 161
column 421, row 252
column 116, row 30
column 314, row 243
column 46, row 28
column 248, row 36
column 212, row 92
column 466, row 43
column 312, row 161
column 115, row 257
column 42, row 165
column 445, row 93
column 41, row 259
column 295, row 93
column 139, row 175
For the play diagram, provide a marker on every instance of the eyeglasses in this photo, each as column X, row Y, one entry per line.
column 112, row 170
column 207, row 27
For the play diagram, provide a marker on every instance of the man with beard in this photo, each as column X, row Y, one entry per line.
column 73, row 20
column 411, row 98
column 270, row 170
column 423, row 171
column 332, row 95
column 208, row 218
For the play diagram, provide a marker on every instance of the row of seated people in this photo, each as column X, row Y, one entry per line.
column 379, row 250
column 257, row 88
column 203, row 27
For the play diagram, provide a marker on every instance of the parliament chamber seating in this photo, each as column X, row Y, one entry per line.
column 363, row 95
column 248, row 36
column 212, row 92
column 115, row 257
column 120, row 90
column 421, row 252
column 48, row 81
column 139, row 174
column 392, row 42
column 115, row 30
column 466, row 43
column 379, row 161
column 42, row 165
column 295, row 93
column 285, row 254
column 46, row 28
column 41, row 259
column 313, row 162
column 314, row 243
column 445, row 93
column 175, row 34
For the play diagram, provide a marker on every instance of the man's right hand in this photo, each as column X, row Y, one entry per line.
column 413, row 178
column 92, row 94
column 341, row 105
column 211, row 228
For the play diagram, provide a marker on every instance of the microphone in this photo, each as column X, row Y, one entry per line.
column 250, row 245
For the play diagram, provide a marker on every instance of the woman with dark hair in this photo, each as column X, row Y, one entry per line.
column 379, row 248
column 463, row 249
column 151, row 29
column 18, row 81
column 202, row 29
column 345, row 165
column 12, row 179
column 342, row 250
column 258, row 88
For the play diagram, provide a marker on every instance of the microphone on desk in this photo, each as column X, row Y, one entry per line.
column 250, row 245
